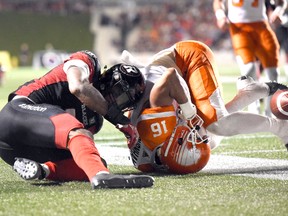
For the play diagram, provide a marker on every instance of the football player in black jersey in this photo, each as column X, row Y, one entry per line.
column 48, row 124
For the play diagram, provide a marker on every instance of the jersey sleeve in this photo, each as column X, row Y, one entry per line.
column 80, row 64
column 82, row 61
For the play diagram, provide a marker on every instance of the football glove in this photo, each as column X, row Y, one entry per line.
column 130, row 133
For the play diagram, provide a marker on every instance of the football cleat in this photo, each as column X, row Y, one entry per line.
column 106, row 180
column 28, row 169
column 104, row 162
column 274, row 86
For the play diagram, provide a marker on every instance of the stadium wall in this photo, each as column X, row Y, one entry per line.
column 69, row 32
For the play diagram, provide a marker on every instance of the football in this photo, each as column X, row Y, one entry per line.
column 279, row 104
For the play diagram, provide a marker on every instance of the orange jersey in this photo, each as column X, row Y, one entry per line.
column 155, row 125
column 255, row 39
column 160, row 127
column 196, row 62
column 246, row 11
column 251, row 33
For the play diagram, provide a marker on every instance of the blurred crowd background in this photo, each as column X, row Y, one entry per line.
column 104, row 26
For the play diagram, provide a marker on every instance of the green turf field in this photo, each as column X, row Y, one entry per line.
column 246, row 175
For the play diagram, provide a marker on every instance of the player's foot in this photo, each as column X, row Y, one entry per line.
column 104, row 162
column 28, row 169
column 106, row 180
column 274, row 86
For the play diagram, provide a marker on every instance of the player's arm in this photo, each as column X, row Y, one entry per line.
column 171, row 86
column 219, row 10
column 276, row 15
column 80, row 86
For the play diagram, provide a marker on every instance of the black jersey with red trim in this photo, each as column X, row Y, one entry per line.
column 52, row 88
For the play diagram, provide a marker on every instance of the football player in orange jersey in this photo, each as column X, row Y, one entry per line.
column 167, row 118
column 194, row 61
column 252, row 37
column 281, row 32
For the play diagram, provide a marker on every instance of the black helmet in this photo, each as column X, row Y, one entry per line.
column 122, row 84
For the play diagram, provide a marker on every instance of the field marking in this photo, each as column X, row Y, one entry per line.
column 252, row 151
column 252, row 167
column 218, row 164
column 120, row 140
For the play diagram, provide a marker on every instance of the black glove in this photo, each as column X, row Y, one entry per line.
column 115, row 115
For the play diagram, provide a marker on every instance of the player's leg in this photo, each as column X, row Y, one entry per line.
column 56, row 171
column 87, row 157
column 282, row 35
column 244, row 47
column 167, row 88
column 247, row 123
column 249, row 91
column 268, row 50
column 171, row 86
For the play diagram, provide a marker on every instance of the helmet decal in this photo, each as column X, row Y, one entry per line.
column 129, row 70
column 122, row 84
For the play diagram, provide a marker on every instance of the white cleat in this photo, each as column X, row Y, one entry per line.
column 28, row 169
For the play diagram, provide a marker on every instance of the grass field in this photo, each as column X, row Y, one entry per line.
column 246, row 175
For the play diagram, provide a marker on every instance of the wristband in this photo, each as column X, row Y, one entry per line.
column 220, row 14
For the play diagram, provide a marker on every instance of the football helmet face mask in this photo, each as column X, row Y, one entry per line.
column 122, row 84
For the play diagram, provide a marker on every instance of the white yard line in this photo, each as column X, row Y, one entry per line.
column 218, row 164
column 252, row 152
column 253, row 167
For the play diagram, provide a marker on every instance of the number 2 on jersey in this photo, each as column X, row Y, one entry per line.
column 239, row 3
column 158, row 129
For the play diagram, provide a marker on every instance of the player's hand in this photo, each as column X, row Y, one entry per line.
column 130, row 133
column 275, row 16
column 222, row 20
column 275, row 20
column 223, row 24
